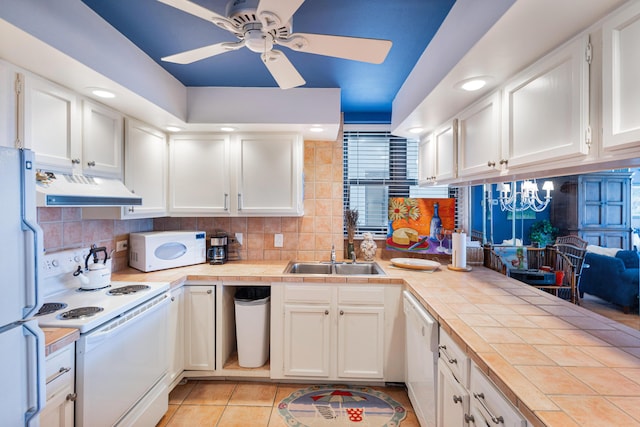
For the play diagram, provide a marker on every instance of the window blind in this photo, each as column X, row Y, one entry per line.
column 378, row 165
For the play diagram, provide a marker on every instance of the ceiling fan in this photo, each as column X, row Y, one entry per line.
column 261, row 24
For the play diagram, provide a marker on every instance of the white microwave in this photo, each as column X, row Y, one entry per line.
column 159, row 250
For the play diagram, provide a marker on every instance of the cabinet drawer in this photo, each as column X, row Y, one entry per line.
column 361, row 295
column 308, row 293
column 59, row 369
column 490, row 403
column 454, row 357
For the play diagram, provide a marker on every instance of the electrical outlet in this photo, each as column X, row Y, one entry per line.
column 239, row 238
column 122, row 245
column 278, row 240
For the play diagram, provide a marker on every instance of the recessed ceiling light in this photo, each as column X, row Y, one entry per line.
column 316, row 129
column 416, row 130
column 102, row 93
column 227, row 129
column 473, row 84
column 172, row 128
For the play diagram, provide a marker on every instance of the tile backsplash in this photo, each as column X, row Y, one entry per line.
column 304, row 238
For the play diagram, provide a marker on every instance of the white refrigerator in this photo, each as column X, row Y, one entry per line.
column 22, row 382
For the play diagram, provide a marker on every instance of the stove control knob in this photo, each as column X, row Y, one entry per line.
column 55, row 263
column 76, row 258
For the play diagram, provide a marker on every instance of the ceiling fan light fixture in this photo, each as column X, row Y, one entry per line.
column 257, row 41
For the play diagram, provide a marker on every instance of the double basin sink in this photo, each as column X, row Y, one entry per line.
column 346, row 269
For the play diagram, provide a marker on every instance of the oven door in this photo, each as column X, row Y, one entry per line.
column 120, row 362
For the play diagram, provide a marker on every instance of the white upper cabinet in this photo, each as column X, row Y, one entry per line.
column 102, row 140
column 199, row 175
column 445, row 138
column 242, row 175
column 52, row 125
column 269, row 175
column 545, row 108
column 426, row 161
column 146, row 169
column 620, row 88
column 479, row 147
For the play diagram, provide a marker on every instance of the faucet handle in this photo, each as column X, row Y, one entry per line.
column 333, row 253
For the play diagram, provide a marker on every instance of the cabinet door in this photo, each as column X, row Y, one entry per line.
column 479, row 137
column 101, row 140
column 445, row 145
column 453, row 399
column 199, row 331
column 176, row 334
column 360, row 342
column 607, row 238
column 146, row 169
column 604, row 202
column 491, row 407
column 620, row 89
column 51, row 125
column 307, row 331
column 269, row 175
column 8, row 107
column 199, row 175
column 545, row 108
column 426, row 161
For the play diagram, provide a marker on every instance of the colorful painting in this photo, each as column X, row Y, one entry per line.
column 421, row 225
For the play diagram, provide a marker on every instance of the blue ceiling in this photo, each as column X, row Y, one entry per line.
column 367, row 90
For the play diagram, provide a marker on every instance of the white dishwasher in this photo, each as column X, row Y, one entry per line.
column 421, row 359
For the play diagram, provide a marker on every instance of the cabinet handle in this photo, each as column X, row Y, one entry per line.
column 469, row 418
column 457, row 399
column 326, row 312
column 341, row 312
column 226, row 201
column 71, row 397
column 491, row 164
column 173, row 299
column 75, row 161
column 91, row 164
column 504, row 162
column 451, row 360
column 131, row 209
column 480, row 398
column 58, row 374
column 239, row 201
column 209, row 291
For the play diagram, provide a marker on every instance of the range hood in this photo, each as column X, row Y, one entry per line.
column 74, row 190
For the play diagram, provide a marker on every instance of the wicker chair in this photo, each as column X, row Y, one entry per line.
column 575, row 249
column 558, row 261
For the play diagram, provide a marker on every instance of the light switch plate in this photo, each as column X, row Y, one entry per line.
column 278, row 240
column 239, row 238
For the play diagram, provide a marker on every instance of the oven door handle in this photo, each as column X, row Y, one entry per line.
column 95, row 338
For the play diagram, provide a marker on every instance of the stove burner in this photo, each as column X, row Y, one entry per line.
column 50, row 307
column 94, row 289
column 79, row 313
column 126, row 290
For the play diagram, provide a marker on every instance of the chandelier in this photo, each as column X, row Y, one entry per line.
column 527, row 198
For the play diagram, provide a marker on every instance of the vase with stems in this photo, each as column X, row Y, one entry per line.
column 350, row 222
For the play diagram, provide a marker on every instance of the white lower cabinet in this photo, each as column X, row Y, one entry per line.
column 334, row 332
column 453, row 398
column 176, row 337
column 60, row 389
column 199, row 327
column 488, row 404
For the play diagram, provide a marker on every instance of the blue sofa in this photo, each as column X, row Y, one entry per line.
column 612, row 278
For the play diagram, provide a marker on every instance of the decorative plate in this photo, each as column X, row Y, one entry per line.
column 415, row 263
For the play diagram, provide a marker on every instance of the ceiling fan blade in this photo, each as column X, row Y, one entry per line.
column 194, row 55
column 355, row 48
column 193, row 9
column 282, row 69
column 275, row 13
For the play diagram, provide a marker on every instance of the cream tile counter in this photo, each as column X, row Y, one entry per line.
column 559, row 364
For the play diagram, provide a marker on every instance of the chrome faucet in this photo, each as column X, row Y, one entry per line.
column 333, row 254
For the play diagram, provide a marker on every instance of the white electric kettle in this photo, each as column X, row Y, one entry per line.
column 97, row 274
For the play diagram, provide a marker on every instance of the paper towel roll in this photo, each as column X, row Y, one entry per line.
column 459, row 250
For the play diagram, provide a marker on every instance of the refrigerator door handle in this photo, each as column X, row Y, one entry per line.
column 36, row 367
column 29, row 223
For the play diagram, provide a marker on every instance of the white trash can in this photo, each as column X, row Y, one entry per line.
column 252, row 325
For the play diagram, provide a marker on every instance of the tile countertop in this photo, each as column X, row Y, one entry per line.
column 560, row 364
column 57, row 338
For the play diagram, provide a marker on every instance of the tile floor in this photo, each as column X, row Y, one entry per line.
column 611, row 311
column 244, row 404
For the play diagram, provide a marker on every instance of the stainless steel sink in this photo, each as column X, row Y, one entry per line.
column 358, row 269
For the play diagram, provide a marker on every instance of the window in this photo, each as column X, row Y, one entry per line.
column 378, row 165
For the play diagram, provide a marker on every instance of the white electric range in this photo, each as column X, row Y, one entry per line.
column 121, row 356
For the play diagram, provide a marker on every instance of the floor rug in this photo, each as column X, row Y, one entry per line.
column 340, row 406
